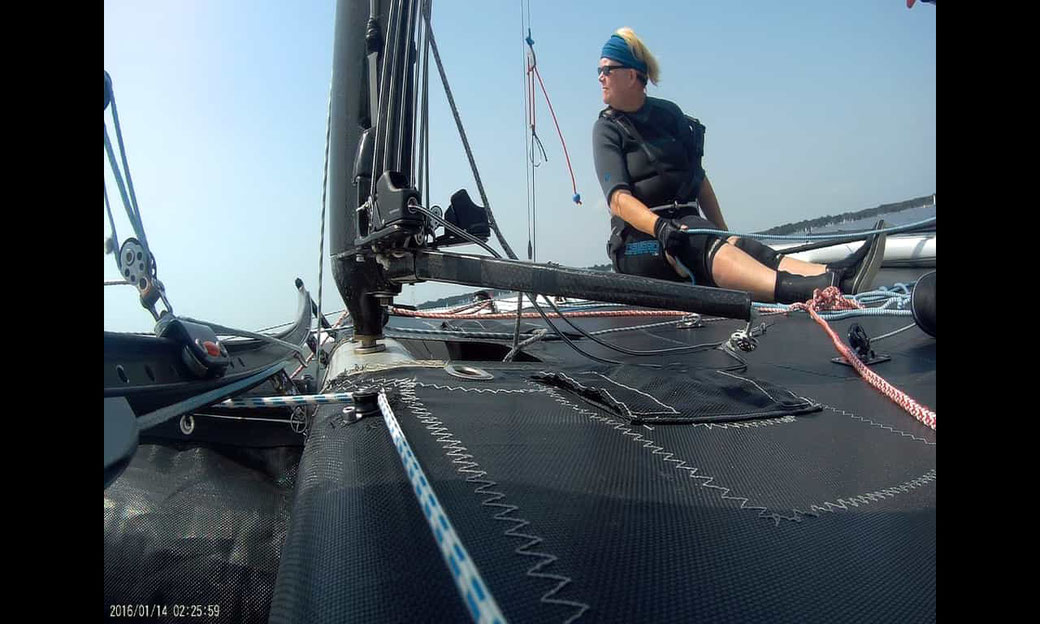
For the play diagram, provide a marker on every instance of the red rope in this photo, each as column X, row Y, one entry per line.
column 530, row 97
column 574, row 185
column 512, row 315
column 830, row 298
column 472, row 306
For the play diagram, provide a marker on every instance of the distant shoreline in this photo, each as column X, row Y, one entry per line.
column 819, row 222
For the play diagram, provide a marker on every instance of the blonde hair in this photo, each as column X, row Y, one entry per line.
column 641, row 52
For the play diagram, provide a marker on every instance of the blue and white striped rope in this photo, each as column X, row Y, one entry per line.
column 470, row 585
column 282, row 401
column 837, row 316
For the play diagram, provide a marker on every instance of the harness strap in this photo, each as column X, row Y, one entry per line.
column 629, row 128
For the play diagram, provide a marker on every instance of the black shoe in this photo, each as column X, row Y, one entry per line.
column 860, row 276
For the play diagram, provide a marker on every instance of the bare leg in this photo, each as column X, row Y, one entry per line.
column 791, row 265
column 734, row 269
column 798, row 267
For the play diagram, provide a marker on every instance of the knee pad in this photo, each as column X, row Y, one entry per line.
column 760, row 252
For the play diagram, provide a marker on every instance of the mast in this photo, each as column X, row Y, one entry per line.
column 358, row 49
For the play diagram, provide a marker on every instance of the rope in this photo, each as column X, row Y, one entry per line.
column 132, row 209
column 509, row 315
column 528, row 142
column 134, row 221
column 462, row 134
column 321, row 240
column 471, row 586
column 845, row 235
column 451, row 332
column 574, row 186
column 830, row 298
column 893, row 333
column 231, row 331
column 112, row 224
column 506, row 336
column 538, row 335
column 296, row 399
column 532, row 72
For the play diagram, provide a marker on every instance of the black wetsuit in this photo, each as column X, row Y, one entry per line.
column 655, row 153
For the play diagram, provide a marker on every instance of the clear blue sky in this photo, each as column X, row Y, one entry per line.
column 811, row 108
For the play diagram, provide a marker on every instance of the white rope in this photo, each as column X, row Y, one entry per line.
column 470, row 585
column 296, row 399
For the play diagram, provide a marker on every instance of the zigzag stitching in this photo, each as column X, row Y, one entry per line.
column 704, row 480
column 458, row 453
column 463, row 389
column 741, row 424
column 879, row 425
column 869, row 497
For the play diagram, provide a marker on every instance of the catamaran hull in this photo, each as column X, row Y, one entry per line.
column 900, row 251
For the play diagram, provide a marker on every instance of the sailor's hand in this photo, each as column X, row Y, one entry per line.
column 669, row 233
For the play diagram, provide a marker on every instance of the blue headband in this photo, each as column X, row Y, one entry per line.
column 616, row 49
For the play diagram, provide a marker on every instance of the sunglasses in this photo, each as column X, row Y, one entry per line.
column 606, row 69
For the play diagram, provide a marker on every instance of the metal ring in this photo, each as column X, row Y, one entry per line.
column 468, row 372
column 187, row 424
column 298, row 420
column 690, row 321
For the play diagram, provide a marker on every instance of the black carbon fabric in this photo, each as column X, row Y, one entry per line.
column 816, row 517
column 198, row 526
column 359, row 549
column 571, row 513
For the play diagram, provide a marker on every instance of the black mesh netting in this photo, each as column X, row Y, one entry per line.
column 198, row 526
column 573, row 513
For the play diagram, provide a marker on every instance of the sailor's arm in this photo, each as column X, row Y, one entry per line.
column 710, row 204
column 632, row 211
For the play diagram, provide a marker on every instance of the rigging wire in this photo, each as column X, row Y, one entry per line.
column 473, row 239
column 244, row 333
column 691, row 348
column 321, row 243
column 114, row 248
column 576, row 198
column 462, row 135
column 130, row 204
column 424, row 116
column 528, row 146
column 132, row 208
column 130, row 213
column 527, row 140
column 844, row 235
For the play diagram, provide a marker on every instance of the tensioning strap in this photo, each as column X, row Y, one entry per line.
column 471, row 587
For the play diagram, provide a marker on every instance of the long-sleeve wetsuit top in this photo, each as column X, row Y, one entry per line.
column 622, row 163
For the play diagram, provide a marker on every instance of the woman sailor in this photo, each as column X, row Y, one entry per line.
column 648, row 161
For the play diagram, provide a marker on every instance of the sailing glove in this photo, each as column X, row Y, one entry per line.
column 670, row 234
